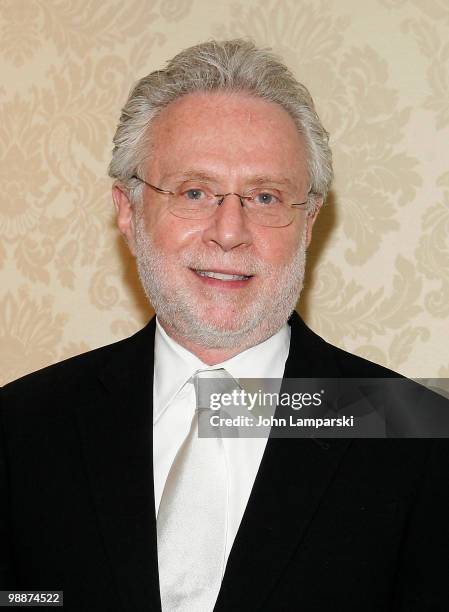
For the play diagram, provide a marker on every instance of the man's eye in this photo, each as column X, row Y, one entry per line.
column 194, row 194
column 265, row 198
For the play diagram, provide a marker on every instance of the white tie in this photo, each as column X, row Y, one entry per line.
column 192, row 516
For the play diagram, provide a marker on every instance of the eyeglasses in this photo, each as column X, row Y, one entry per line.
column 264, row 206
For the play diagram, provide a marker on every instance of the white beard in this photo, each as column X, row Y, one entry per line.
column 180, row 310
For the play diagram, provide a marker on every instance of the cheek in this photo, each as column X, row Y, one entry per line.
column 278, row 248
column 169, row 233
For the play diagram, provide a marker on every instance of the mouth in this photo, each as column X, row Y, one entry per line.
column 229, row 279
column 222, row 275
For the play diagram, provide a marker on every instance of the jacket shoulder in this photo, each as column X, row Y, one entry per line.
column 322, row 359
column 352, row 365
column 70, row 377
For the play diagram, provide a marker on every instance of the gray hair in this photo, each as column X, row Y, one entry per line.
column 230, row 65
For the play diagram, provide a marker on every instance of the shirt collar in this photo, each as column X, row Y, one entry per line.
column 174, row 365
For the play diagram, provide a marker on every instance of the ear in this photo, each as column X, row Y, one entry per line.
column 311, row 218
column 124, row 211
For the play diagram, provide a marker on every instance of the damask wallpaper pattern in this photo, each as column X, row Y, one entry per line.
column 378, row 279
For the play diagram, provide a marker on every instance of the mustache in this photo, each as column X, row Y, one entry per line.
column 245, row 263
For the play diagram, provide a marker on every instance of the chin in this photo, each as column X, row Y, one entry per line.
column 222, row 331
column 224, row 322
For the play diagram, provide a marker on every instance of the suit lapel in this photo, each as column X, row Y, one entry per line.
column 117, row 442
column 291, row 482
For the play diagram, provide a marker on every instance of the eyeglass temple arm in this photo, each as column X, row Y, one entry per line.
column 158, row 189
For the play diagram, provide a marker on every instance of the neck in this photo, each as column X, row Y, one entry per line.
column 209, row 356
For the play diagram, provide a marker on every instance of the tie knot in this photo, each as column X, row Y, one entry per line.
column 215, row 389
column 214, row 373
column 211, row 385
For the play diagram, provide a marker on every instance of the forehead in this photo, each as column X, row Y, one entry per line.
column 228, row 133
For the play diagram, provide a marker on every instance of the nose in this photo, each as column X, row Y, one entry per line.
column 228, row 227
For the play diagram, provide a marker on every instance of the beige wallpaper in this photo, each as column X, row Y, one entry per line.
column 378, row 282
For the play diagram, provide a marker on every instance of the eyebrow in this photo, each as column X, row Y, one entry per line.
column 186, row 175
column 264, row 179
column 210, row 177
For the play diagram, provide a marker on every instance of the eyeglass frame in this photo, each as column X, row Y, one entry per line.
column 216, row 195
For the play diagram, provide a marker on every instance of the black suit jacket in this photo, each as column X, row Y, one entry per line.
column 359, row 525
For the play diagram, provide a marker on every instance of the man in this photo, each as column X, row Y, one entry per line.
column 221, row 166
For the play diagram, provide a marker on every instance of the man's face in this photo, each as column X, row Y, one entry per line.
column 231, row 142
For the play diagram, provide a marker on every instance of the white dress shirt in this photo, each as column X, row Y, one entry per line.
column 174, row 404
